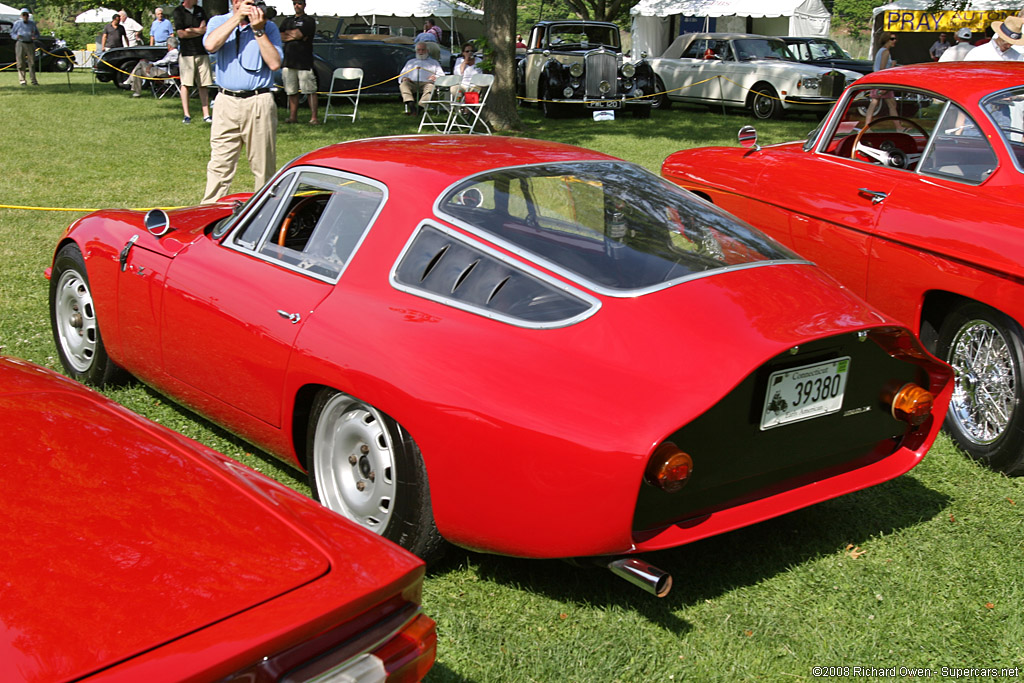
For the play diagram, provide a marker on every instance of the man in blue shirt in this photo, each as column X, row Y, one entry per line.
column 249, row 51
column 161, row 29
column 25, row 33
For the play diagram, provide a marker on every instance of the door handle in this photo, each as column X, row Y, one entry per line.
column 293, row 317
column 123, row 258
column 876, row 197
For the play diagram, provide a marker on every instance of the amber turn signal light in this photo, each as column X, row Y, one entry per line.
column 669, row 468
column 912, row 404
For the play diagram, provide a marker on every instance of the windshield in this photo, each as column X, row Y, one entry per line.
column 1006, row 110
column 610, row 223
column 761, row 48
column 576, row 36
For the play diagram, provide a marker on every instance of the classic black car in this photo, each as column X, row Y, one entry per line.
column 581, row 63
column 381, row 57
column 51, row 57
column 116, row 64
column 827, row 53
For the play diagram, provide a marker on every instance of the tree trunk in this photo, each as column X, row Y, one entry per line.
column 500, row 29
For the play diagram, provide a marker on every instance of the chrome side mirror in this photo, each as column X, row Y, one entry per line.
column 748, row 138
column 157, row 222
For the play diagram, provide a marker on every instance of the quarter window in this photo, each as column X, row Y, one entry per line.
column 958, row 150
column 1006, row 111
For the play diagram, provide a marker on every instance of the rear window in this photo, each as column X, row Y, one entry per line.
column 613, row 225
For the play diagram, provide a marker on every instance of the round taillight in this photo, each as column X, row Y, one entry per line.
column 669, row 468
column 912, row 404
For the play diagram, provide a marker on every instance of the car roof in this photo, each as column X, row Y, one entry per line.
column 549, row 22
column 435, row 161
column 729, row 36
column 962, row 81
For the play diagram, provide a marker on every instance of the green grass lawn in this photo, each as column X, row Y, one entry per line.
column 923, row 571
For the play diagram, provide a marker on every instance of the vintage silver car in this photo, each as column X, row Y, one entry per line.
column 744, row 70
column 580, row 63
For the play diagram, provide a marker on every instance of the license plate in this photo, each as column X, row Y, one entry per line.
column 805, row 392
column 603, row 104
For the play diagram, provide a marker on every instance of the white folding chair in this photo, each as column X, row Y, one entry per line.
column 347, row 75
column 437, row 109
column 464, row 116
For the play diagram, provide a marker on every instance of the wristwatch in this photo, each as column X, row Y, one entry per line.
column 258, row 32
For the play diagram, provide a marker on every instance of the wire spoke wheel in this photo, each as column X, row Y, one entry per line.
column 984, row 394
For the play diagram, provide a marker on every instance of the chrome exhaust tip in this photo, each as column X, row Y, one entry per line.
column 643, row 574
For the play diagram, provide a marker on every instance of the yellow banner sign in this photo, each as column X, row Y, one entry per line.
column 916, row 21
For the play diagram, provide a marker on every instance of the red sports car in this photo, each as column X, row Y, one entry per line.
column 521, row 347
column 909, row 193
column 132, row 553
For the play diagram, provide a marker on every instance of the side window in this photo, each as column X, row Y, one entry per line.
column 313, row 222
column 1006, row 111
column 887, row 127
column 958, row 149
column 800, row 50
column 696, row 49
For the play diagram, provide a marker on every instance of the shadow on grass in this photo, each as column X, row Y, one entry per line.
column 709, row 568
column 439, row 673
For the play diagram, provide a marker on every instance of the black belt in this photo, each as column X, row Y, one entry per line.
column 244, row 93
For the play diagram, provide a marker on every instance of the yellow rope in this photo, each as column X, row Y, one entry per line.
column 52, row 208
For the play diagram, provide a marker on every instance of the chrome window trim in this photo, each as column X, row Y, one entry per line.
column 1002, row 135
column 531, row 257
column 229, row 240
column 594, row 302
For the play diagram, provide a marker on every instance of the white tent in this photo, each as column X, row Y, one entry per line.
column 447, row 12
column 100, row 15
column 656, row 22
column 8, row 13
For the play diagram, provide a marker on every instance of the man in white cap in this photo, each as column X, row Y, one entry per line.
column 962, row 47
column 25, row 33
column 1007, row 34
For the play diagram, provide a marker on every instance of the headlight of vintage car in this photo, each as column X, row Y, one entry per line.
column 576, row 70
column 628, row 70
column 575, row 83
column 809, row 82
column 568, row 91
column 605, row 87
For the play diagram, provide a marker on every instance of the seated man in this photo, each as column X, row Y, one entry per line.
column 417, row 77
column 161, row 67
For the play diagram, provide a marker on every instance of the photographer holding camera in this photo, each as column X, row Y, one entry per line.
column 249, row 51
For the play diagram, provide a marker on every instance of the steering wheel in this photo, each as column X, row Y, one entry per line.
column 894, row 158
column 287, row 222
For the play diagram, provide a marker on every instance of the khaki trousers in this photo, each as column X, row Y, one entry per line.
column 409, row 89
column 251, row 121
column 24, row 55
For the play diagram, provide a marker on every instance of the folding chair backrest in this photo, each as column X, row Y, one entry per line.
column 435, row 113
column 345, row 74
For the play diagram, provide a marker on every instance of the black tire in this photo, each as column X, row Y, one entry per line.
column 985, row 417
column 660, row 101
column 123, row 80
column 76, row 330
column 364, row 466
column 764, row 102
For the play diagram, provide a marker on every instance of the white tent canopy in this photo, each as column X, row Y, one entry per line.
column 655, row 22
column 8, row 13
column 441, row 9
column 100, row 15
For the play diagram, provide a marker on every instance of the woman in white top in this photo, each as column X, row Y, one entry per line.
column 466, row 67
column 883, row 60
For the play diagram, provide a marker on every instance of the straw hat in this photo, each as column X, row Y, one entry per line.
column 1010, row 30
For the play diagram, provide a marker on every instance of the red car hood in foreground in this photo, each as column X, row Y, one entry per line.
column 118, row 540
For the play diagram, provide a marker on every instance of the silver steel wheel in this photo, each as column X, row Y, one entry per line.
column 354, row 462
column 984, row 391
column 76, row 320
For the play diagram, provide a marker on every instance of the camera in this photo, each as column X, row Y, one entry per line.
column 268, row 12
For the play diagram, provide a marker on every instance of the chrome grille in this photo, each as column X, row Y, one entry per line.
column 601, row 65
column 832, row 84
